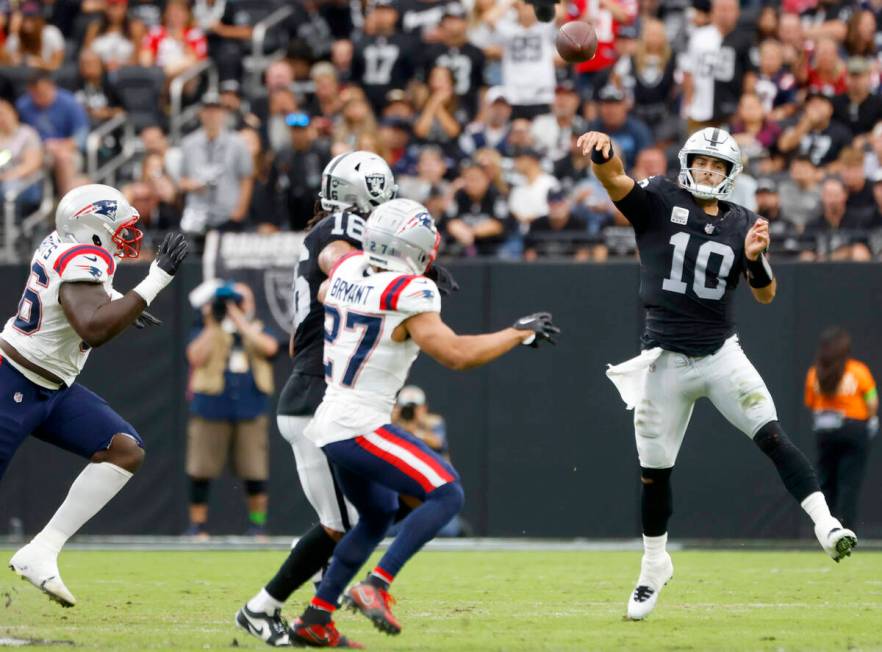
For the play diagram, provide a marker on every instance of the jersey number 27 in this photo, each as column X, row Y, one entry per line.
column 372, row 327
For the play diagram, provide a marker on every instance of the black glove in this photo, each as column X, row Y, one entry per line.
column 541, row 325
column 146, row 319
column 171, row 252
column 443, row 279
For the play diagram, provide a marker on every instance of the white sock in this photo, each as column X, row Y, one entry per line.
column 263, row 602
column 816, row 507
column 91, row 491
column 654, row 547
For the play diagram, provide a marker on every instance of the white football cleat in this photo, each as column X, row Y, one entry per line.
column 653, row 577
column 39, row 566
column 837, row 541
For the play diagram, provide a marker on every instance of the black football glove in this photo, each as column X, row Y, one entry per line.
column 171, row 252
column 146, row 319
column 443, row 279
column 541, row 325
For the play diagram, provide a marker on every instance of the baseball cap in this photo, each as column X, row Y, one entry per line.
column 397, row 95
column 496, row 93
column 610, row 93
column 703, row 6
column 31, row 9
column 857, row 65
column 566, row 86
column 229, row 86
column 628, row 31
column 411, row 395
column 210, row 98
column 556, row 194
column 454, row 10
column 766, row 184
column 388, row 4
column 297, row 119
column 396, row 122
column 814, row 93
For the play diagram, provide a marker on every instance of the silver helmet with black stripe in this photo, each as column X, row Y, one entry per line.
column 358, row 181
column 713, row 143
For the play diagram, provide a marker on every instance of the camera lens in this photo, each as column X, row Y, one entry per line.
column 218, row 309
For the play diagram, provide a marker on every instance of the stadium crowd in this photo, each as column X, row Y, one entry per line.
column 469, row 104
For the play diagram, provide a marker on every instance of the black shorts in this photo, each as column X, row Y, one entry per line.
column 301, row 395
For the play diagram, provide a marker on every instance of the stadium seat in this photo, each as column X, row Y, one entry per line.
column 17, row 76
column 68, row 75
column 140, row 90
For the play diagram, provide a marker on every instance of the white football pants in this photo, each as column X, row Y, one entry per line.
column 675, row 381
column 316, row 477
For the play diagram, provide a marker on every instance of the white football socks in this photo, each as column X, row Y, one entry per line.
column 815, row 505
column 263, row 602
column 92, row 490
column 654, row 547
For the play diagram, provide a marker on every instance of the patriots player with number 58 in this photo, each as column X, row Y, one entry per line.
column 694, row 245
column 68, row 307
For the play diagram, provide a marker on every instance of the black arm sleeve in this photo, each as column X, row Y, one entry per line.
column 636, row 206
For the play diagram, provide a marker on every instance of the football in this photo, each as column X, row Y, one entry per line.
column 576, row 42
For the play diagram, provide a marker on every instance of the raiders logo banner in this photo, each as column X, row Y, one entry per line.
column 263, row 262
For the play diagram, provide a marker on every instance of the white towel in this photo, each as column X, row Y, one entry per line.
column 629, row 376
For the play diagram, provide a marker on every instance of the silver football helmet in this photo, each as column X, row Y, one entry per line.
column 401, row 236
column 359, row 181
column 99, row 215
column 715, row 143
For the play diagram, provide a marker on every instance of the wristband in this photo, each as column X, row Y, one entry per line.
column 598, row 157
column 529, row 340
column 154, row 282
column 759, row 273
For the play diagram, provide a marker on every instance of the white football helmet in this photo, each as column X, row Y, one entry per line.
column 99, row 215
column 359, row 181
column 401, row 236
column 715, row 143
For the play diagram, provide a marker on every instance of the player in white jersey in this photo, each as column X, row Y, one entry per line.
column 380, row 311
column 67, row 308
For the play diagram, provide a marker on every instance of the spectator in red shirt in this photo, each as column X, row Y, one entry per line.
column 176, row 45
column 607, row 17
column 827, row 70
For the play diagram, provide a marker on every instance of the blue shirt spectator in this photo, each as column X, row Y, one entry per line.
column 53, row 112
column 629, row 134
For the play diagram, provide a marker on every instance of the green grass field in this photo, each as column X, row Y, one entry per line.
column 461, row 601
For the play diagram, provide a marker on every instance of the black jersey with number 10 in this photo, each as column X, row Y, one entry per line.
column 690, row 264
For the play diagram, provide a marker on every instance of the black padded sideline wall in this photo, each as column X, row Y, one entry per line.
column 542, row 440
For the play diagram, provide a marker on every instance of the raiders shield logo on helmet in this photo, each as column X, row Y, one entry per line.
column 376, row 184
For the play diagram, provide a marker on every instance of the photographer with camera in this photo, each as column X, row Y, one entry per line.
column 231, row 383
column 216, row 173
column 412, row 414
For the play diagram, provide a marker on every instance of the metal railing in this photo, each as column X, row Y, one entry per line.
column 179, row 114
column 106, row 172
column 13, row 228
column 258, row 60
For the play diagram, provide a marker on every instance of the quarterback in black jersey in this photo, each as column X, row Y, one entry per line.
column 694, row 246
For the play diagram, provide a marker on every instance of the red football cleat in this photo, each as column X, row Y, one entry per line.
column 373, row 603
column 302, row 635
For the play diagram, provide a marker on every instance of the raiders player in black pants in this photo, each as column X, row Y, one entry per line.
column 693, row 248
